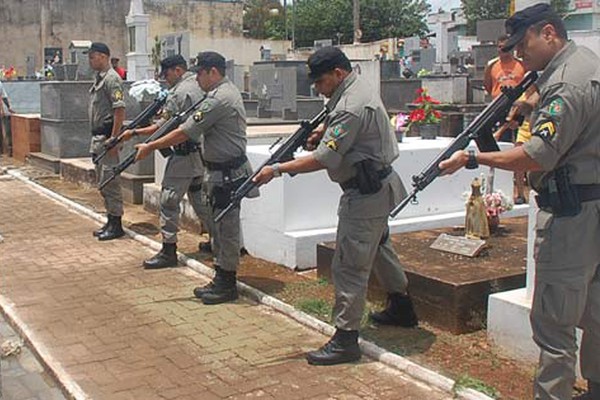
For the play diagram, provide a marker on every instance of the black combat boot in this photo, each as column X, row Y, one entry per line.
column 114, row 229
column 342, row 348
column 202, row 290
column 223, row 290
column 399, row 311
column 98, row 232
column 165, row 258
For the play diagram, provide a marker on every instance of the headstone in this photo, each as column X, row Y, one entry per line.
column 64, row 119
column 490, row 30
column 451, row 89
column 423, row 59
column 303, row 83
column 30, row 62
column 175, row 43
column 77, row 56
column 458, row 245
column 370, row 71
column 322, row 43
column 275, row 89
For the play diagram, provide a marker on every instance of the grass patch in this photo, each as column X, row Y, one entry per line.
column 468, row 382
column 316, row 307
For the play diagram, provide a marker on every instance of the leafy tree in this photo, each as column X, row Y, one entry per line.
column 263, row 19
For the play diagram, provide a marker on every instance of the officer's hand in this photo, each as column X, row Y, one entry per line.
column 143, row 150
column 10, row 110
column 454, row 163
column 264, row 176
column 315, row 137
column 126, row 135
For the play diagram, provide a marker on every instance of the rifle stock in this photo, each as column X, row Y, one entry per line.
column 284, row 153
column 479, row 130
column 142, row 117
column 170, row 125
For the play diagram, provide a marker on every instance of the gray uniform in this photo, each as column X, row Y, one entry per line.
column 220, row 126
column 184, row 171
column 567, row 254
column 105, row 96
column 358, row 129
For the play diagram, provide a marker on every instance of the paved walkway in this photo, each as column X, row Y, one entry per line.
column 124, row 333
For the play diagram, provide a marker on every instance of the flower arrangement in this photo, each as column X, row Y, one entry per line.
column 496, row 203
column 8, row 73
column 425, row 113
column 399, row 120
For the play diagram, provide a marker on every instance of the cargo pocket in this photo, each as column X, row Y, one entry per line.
column 562, row 305
column 543, row 237
column 355, row 251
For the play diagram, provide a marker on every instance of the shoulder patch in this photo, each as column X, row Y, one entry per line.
column 206, row 104
column 545, row 130
column 556, row 107
column 331, row 144
column 118, row 94
column 337, row 130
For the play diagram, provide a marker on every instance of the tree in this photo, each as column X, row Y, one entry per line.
column 379, row 19
column 476, row 10
column 264, row 19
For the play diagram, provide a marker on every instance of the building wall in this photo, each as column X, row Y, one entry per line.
column 29, row 26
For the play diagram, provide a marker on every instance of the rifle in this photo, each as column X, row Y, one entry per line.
column 170, row 125
column 284, row 153
column 480, row 130
column 145, row 115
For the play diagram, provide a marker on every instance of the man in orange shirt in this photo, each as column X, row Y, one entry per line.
column 504, row 70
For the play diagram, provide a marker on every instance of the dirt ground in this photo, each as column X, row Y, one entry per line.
column 469, row 358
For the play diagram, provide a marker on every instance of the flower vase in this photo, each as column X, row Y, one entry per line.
column 429, row 131
column 493, row 223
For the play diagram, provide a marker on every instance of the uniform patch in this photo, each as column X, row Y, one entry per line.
column 556, row 107
column 198, row 116
column 332, row 145
column 546, row 130
column 205, row 106
column 118, row 95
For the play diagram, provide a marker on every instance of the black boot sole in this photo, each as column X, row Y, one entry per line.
column 387, row 321
column 333, row 361
column 111, row 237
column 209, row 300
column 160, row 266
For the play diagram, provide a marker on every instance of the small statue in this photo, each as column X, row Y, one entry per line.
column 476, row 223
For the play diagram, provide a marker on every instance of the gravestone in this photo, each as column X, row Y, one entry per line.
column 275, row 89
column 303, row 83
column 64, row 119
column 423, row 59
column 30, row 62
column 77, row 56
column 450, row 89
column 369, row 71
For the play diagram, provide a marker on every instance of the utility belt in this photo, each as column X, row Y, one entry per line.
column 564, row 199
column 226, row 166
column 186, row 148
column 367, row 179
column 104, row 130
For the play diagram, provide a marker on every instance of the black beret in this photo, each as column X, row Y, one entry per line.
column 325, row 60
column 98, row 47
column 517, row 25
column 209, row 59
column 170, row 62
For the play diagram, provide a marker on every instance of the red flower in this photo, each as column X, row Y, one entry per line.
column 417, row 115
column 437, row 114
column 420, row 91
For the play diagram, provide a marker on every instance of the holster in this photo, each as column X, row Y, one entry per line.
column 561, row 196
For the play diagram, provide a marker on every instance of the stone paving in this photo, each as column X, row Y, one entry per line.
column 124, row 333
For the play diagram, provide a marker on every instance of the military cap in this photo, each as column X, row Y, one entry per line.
column 325, row 60
column 517, row 25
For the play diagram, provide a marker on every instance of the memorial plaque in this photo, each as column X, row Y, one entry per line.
column 458, row 245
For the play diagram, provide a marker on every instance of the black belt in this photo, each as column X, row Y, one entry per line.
column 228, row 165
column 185, row 148
column 104, row 134
column 586, row 193
column 353, row 184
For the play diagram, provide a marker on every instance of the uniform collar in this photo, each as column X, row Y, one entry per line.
column 337, row 94
column 559, row 58
column 216, row 85
column 183, row 77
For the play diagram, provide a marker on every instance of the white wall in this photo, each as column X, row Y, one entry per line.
column 244, row 51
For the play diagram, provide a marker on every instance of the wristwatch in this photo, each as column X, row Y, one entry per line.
column 276, row 171
column 472, row 162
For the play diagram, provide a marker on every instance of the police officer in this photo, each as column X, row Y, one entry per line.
column 184, row 171
column 220, row 126
column 106, row 112
column 563, row 157
column 357, row 147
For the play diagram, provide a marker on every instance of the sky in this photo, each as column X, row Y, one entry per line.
column 446, row 4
